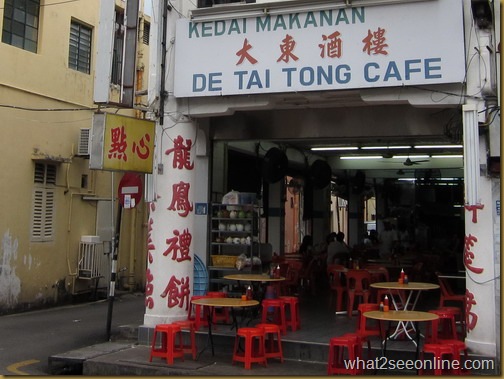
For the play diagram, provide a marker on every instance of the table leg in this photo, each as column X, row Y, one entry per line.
column 210, row 336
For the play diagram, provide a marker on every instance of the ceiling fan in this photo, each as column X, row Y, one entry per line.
column 409, row 162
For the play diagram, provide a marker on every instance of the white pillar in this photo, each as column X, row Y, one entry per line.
column 172, row 227
column 479, row 257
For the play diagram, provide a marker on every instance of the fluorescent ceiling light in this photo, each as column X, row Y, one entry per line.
column 406, row 179
column 438, row 146
column 410, row 156
column 362, row 157
column 334, row 148
column 448, row 156
column 384, row 147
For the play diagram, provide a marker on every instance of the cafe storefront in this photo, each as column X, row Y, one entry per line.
column 242, row 80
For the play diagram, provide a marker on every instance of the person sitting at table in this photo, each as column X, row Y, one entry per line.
column 338, row 251
column 306, row 250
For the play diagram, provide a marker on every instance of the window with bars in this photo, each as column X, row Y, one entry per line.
column 117, row 54
column 146, row 32
column 43, row 202
column 20, row 23
column 79, row 53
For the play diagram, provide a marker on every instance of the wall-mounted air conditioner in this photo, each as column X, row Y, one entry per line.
column 83, row 147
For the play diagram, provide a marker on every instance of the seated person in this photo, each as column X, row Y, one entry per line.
column 338, row 251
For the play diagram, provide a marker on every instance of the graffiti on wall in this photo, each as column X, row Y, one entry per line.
column 10, row 285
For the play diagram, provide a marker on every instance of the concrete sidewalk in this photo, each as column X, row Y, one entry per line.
column 134, row 360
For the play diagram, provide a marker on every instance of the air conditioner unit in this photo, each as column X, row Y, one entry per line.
column 84, row 142
column 90, row 255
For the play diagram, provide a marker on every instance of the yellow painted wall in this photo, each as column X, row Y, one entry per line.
column 31, row 272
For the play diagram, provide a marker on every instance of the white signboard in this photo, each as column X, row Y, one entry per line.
column 378, row 46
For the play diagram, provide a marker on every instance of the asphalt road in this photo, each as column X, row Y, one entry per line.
column 28, row 339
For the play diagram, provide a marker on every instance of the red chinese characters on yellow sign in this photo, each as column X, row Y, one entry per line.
column 128, row 144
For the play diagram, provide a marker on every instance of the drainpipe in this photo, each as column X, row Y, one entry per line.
column 131, row 276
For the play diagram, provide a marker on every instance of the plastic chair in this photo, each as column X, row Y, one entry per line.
column 459, row 349
column 344, row 348
column 440, row 352
column 272, row 341
column 291, row 283
column 447, row 293
column 168, row 349
column 278, row 313
column 367, row 328
column 357, row 286
column 442, row 328
column 219, row 313
column 459, row 319
column 251, row 354
column 190, row 347
column 198, row 313
column 292, row 318
column 337, row 283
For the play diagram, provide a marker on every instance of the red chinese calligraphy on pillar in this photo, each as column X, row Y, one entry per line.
column 474, row 209
column 469, row 242
column 182, row 153
column 471, row 318
column 177, row 292
column 180, row 200
column 179, row 244
column 149, row 289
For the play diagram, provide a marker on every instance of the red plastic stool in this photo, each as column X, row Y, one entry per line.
column 190, row 347
column 168, row 350
column 271, row 338
column 219, row 314
column 254, row 353
column 292, row 307
column 442, row 353
column 459, row 349
column 278, row 313
column 352, row 344
column 198, row 318
column 459, row 319
column 367, row 328
column 444, row 327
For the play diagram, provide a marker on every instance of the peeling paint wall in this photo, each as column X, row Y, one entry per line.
column 10, row 285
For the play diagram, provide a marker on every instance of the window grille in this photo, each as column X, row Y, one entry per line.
column 146, row 32
column 79, row 53
column 117, row 54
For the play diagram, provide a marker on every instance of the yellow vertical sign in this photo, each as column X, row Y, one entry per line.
column 128, row 144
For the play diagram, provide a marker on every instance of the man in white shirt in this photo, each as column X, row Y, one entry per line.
column 337, row 251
